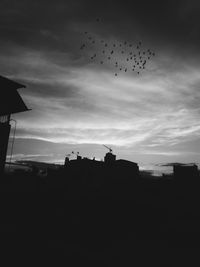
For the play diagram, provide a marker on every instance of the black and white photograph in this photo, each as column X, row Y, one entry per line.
column 100, row 132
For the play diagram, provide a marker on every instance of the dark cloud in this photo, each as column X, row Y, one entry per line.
column 52, row 24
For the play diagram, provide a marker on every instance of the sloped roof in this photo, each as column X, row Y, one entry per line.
column 10, row 100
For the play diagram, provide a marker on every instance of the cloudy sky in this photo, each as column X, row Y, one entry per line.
column 78, row 104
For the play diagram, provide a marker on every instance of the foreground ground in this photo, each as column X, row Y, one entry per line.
column 140, row 222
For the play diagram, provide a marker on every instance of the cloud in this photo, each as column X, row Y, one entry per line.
column 76, row 101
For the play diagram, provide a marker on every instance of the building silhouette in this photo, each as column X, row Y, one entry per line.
column 185, row 171
column 10, row 103
column 109, row 158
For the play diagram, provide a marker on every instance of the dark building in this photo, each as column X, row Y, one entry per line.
column 109, row 158
column 185, row 172
column 10, row 103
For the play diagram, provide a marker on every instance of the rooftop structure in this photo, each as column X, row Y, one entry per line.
column 10, row 103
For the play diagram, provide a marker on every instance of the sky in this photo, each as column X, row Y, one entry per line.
column 78, row 104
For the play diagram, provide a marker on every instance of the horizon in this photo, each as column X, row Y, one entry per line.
column 79, row 104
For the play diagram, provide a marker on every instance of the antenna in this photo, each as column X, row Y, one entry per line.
column 110, row 149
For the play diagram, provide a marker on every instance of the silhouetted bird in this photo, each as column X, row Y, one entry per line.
column 115, row 74
column 125, row 70
column 82, row 46
column 112, row 52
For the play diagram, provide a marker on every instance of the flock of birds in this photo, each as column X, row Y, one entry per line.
column 123, row 56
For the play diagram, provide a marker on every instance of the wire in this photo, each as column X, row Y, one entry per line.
column 13, row 140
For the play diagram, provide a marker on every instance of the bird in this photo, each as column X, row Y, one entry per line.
column 112, row 52
column 125, row 70
column 115, row 74
column 82, row 46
